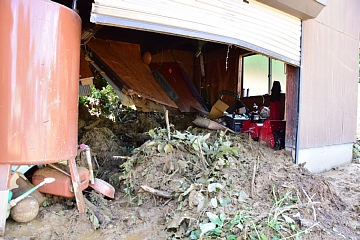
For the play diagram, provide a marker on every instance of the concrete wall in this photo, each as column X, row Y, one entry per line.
column 328, row 92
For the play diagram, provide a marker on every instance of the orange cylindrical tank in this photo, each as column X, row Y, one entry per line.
column 39, row 72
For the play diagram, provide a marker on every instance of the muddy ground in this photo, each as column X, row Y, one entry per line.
column 200, row 184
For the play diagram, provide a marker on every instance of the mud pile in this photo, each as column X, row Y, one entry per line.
column 197, row 184
column 216, row 185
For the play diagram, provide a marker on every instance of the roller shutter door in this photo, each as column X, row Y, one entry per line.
column 251, row 25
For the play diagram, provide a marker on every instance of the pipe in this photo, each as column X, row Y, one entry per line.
column 74, row 5
column 88, row 159
column 13, row 202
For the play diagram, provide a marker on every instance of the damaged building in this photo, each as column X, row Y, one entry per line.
column 205, row 51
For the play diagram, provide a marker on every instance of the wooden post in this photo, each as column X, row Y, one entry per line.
column 76, row 185
column 4, row 192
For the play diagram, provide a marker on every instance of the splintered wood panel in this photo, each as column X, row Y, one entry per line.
column 328, row 97
column 172, row 73
column 125, row 60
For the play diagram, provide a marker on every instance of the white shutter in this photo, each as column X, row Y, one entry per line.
column 252, row 25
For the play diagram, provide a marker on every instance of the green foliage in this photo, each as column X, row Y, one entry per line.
column 103, row 102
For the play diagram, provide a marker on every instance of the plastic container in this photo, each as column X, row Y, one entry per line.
column 62, row 186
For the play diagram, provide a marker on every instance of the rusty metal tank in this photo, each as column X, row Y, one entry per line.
column 39, row 72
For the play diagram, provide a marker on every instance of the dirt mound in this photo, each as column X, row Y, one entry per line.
column 226, row 186
column 198, row 185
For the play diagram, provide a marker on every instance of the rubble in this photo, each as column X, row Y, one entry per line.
column 201, row 184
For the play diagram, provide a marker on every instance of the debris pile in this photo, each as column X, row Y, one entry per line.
column 216, row 185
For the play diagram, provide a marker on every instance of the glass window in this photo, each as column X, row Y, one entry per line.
column 256, row 75
column 278, row 74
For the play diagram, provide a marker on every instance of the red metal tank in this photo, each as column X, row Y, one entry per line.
column 39, row 72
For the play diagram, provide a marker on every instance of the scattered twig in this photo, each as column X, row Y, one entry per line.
column 121, row 157
column 167, row 201
column 97, row 164
column 257, row 233
column 310, row 200
column 253, row 181
column 170, row 175
column 103, row 218
column 280, row 210
column 167, row 124
column 205, row 164
column 156, row 192
column 283, row 209
column 302, row 231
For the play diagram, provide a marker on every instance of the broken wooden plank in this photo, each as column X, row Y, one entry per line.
column 125, row 61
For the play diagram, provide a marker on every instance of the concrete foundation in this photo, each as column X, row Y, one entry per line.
column 322, row 159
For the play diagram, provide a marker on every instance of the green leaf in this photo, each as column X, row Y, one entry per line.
column 213, row 202
column 222, row 217
column 224, row 202
column 152, row 133
column 214, row 218
column 231, row 237
column 243, row 195
column 216, row 231
column 277, row 227
column 288, row 219
column 196, row 146
column 206, row 137
column 168, row 148
column 195, row 235
column 263, row 237
column 205, row 147
column 229, row 182
column 212, row 187
column 161, row 147
column 94, row 220
column 179, row 135
column 222, row 133
column 206, row 227
column 293, row 227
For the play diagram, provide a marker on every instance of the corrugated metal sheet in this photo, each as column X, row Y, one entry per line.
column 252, row 25
column 84, row 90
column 328, row 97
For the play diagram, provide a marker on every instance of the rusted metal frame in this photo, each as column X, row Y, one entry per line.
column 4, row 191
column 76, row 185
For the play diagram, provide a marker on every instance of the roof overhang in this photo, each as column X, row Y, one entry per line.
column 304, row 9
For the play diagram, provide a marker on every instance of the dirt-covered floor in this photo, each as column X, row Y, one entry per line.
column 197, row 184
